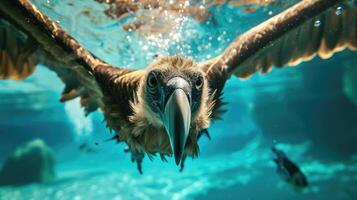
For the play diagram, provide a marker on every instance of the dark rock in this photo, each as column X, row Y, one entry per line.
column 32, row 162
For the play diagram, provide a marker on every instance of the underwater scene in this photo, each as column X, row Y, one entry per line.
column 287, row 134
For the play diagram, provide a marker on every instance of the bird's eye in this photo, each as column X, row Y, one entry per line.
column 199, row 82
column 152, row 80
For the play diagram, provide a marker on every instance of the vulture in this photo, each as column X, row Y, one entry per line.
column 165, row 108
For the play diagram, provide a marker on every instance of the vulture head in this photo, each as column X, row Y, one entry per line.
column 174, row 94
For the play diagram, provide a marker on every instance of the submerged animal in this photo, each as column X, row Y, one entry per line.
column 289, row 171
column 167, row 106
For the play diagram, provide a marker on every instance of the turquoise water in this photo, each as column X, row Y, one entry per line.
column 309, row 111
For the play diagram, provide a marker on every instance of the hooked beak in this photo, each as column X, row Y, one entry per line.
column 177, row 121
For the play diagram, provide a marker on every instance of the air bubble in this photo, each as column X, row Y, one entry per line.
column 339, row 10
column 317, row 23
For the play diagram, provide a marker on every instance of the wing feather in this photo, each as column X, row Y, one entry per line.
column 15, row 54
column 32, row 38
column 310, row 28
column 76, row 67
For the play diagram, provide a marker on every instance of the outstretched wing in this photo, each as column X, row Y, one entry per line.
column 310, row 28
column 43, row 41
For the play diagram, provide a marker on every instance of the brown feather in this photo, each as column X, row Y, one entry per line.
column 298, row 34
column 58, row 51
column 304, row 42
column 15, row 54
